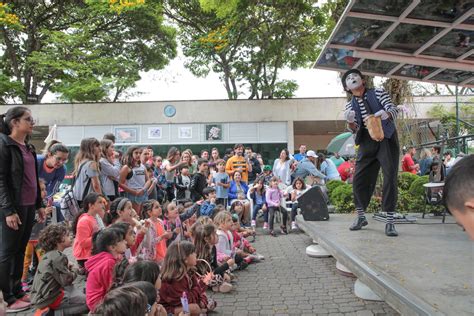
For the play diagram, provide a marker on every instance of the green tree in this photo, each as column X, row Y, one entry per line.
column 84, row 50
column 249, row 42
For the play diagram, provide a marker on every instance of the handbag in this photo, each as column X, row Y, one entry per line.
column 216, row 280
column 69, row 206
column 374, row 124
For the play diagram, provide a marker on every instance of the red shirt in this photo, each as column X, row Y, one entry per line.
column 408, row 163
column 344, row 170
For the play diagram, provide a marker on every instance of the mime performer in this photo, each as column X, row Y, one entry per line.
column 372, row 154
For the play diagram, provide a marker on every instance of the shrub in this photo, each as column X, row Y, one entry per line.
column 416, row 188
column 375, row 205
column 342, row 198
column 405, row 179
column 333, row 184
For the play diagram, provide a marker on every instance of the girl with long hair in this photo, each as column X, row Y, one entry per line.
column 134, row 179
column 170, row 166
column 86, row 169
column 85, row 226
column 178, row 276
column 109, row 169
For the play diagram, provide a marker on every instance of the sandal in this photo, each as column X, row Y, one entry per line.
column 283, row 230
column 272, row 233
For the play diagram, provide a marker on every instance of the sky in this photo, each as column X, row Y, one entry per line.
column 175, row 82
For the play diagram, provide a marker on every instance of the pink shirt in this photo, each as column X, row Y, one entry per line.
column 86, row 227
column 273, row 197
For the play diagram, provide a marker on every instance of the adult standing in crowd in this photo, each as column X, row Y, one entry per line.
column 337, row 159
column 408, row 164
column 281, row 167
column 19, row 200
column 372, row 154
column 302, row 154
column 239, row 163
column 425, row 162
column 253, row 161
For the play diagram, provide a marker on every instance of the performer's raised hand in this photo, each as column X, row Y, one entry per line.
column 383, row 114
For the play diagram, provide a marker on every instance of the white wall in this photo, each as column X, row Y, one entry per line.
column 253, row 132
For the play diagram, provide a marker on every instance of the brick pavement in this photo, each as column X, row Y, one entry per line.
column 288, row 282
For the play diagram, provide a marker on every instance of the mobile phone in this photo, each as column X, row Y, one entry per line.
column 50, row 201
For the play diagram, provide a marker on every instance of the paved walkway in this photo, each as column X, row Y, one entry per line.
column 288, row 282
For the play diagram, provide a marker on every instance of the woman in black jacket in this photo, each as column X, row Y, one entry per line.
column 19, row 199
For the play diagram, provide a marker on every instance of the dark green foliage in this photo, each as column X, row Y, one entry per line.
column 405, row 179
column 343, row 199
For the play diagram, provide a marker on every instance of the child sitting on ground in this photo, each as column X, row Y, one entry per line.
column 178, row 277
column 225, row 246
column 52, row 286
column 249, row 253
column 109, row 246
column 153, row 246
column 208, row 206
column 236, row 209
column 205, row 240
column 172, row 223
column 123, row 301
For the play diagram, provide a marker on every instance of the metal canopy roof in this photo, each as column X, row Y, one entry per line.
column 426, row 40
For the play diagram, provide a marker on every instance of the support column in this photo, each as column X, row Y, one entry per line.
column 291, row 137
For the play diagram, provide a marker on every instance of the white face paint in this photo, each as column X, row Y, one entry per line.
column 353, row 81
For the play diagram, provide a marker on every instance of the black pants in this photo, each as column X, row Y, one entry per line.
column 272, row 210
column 371, row 156
column 12, row 252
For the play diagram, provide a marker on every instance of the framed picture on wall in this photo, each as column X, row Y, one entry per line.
column 213, row 132
column 185, row 132
column 126, row 134
column 154, row 132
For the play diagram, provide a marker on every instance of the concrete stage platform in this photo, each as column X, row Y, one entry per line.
column 427, row 270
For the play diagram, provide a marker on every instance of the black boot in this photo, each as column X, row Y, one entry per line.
column 359, row 223
column 390, row 230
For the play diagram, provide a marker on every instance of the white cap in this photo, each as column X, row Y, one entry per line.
column 311, row 153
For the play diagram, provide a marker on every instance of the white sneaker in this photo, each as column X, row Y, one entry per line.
column 254, row 223
column 294, row 226
column 265, row 225
column 259, row 256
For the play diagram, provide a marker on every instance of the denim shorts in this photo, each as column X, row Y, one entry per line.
column 137, row 199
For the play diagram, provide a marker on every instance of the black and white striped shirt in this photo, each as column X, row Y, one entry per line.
column 384, row 100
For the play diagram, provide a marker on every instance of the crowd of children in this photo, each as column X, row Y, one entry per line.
column 152, row 222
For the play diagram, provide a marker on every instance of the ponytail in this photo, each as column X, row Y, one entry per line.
column 6, row 119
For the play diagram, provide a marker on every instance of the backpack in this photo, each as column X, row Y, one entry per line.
column 69, row 205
